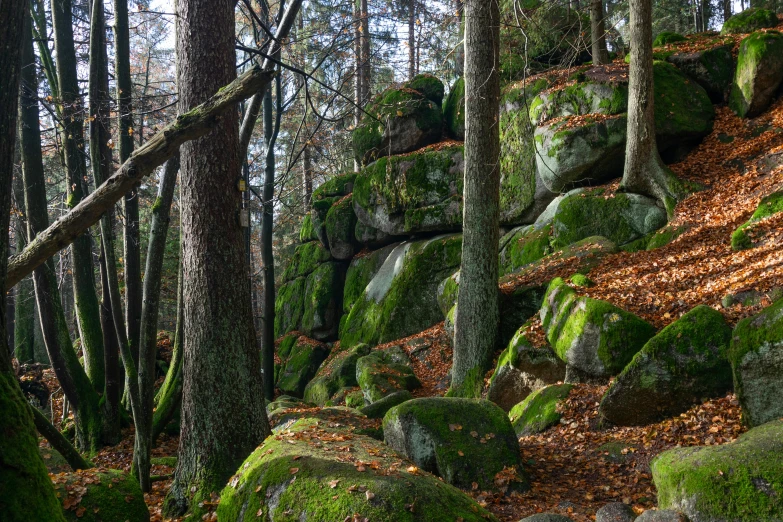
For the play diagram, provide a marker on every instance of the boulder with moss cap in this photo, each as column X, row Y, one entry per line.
column 384, row 372
column 337, row 372
column 749, row 20
column 759, row 73
column 751, row 232
column 540, row 410
column 683, row 364
column 300, row 361
column 100, row 495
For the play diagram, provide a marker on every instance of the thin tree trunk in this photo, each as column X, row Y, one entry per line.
column 223, row 412
column 28, row 492
column 366, row 70
column 726, row 10
column 357, row 51
column 59, row 442
column 111, row 355
column 149, row 320
column 411, row 39
column 644, row 171
column 476, row 323
column 24, row 312
column 598, row 33
column 85, row 297
column 459, row 54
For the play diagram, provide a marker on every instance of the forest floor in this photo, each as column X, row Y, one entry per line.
column 577, row 467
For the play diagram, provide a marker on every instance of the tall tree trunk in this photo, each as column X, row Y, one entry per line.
column 411, row 39
column 644, row 171
column 598, row 32
column 223, row 412
column 85, row 297
column 726, row 10
column 476, row 323
column 111, row 362
column 357, row 51
column 24, row 297
column 366, row 71
column 459, row 54
column 149, row 320
column 28, row 492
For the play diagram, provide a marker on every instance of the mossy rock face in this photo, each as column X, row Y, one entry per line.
column 323, row 301
column 579, row 99
column 595, row 338
column 622, row 218
column 289, row 306
column 340, row 224
column 661, row 515
column 454, row 111
column 307, row 232
column 683, row 364
column 461, row 440
column 289, row 478
column 336, row 373
column 759, row 73
column 521, row 370
column 749, row 20
column 371, row 236
column 748, row 235
column 379, row 408
column 100, row 495
column 667, row 37
column 401, row 300
column 340, row 185
column 712, row 68
column 448, row 289
column 380, row 374
column 300, row 365
column 324, row 197
column 756, row 357
column 360, row 272
column 398, row 121
column 738, row 482
column 429, row 86
column 354, row 399
column 539, row 411
column 523, row 195
column 307, row 257
column 419, row 192
column 284, row 402
column 522, row 246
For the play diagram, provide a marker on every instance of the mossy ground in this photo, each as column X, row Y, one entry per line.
column 539, row 410
column 743, row 238
column 667, row 37
column 101, row 495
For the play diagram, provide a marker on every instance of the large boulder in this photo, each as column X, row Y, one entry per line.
column 289, row 306
column 380, row 408
column 740, row 481
column 384, row 372
column 666, row 38
column 340, row 225
column 594, row 338
column 296, row 475
column 322, row 305
column 622, row 217
column 454, row 111
column 300, row 358
column 400, row 120
column 360, row 272
column 307, row 257
column 100, row 495
column 756, row 356
column 540, row 410
column 749, row 234
column 749, row 20
column 464, row 441
column 336, row 373
column 522, row 369
column 401, row 300
column 683, row 364
column 323, row 198
column 759, row 73
column 418, row 192
column 711, row 68
column 524, row 245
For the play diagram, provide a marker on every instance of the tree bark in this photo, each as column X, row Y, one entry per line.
column 476, row 323
column 459, row 54
column 644, row 171
column 149, row 320
column 22, row 470
column 598, row 33
column 366, row 71
column 411, row 39
column 223, row 410
column 111, row 362
column 357, row 51
column 85, row 296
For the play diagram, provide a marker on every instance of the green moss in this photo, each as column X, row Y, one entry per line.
column 759, row 61
column 740, row 481
column 454, row 111
column 360, row 272
column 682, row 107
column 307, row 232
column 300, row 364
column 338, row 371
column 340, row 185
column 289, row 306
column 289, row 479
column 379, row 376
column 749, row 20
column 156, row 205
column 340, row 223
column 667, row 37
column 170, row 462
column 539, row 410
column 665, row 236
column 448, row 290
column 581, row 280
column 429, row 86
column 379, row 408
column 323, row 300
column 110, row 495
column 524, row 247
column 769, row 206
column 354, row 399
column 307, row 257
column 472, row 384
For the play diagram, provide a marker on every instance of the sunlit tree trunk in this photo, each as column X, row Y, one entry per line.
column 476, row 323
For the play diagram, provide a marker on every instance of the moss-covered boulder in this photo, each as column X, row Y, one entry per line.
column 381, row 373
column 749, row 20
column 594, row 338
column 522, row 369
column 448, row 289
column 750, row 233
column 711, row 68
column 323, row 301
column 523, row 195
column 379, row 408
column 667, row 37
column 401, row 299
column 759, row 73
column 371, row 236
column 522, row 246
column 297, row 476
column 100, row 495
column 299, row 364
column 683, row 364
column 360, row 272
column 324, row 198
column 539, row 411
column 622, row 218
column 340, row 225
column 337, row 372
column 307, row 232
column 289, row 306
column 454, row 111
column 429, row 86
column 461, row 440
column 419, row 192
column 756, row 356
column 307, row 257
column 399, row 120
column 740, row 482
